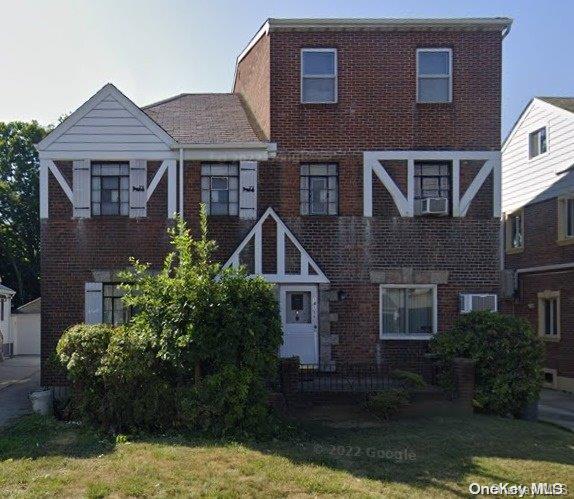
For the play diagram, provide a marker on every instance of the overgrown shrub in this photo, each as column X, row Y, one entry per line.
column 508, row 356
column 196, row 355
column 388, row 403
column 412, row 380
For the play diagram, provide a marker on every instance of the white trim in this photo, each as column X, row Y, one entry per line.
column 156, row 179
column 181, row 179
column 437, row 76
column 171, row 188
column 44, row 169
column 106, row 91
column 264, row 30
column 542, row 268
column 407, row 336
column 283, row 232
column 61, row 180
column 405, row 204
column 474, row 187
column 334, row 76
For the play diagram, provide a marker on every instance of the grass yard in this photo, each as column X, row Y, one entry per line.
column 435, row 456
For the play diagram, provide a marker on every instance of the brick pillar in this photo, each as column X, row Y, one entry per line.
column 289, row 375
column 464, row 380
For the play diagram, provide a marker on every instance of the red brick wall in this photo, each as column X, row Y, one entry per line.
column 377, row 106
column 252, row 82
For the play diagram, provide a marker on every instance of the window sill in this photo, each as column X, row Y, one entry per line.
column 312, row 104
column 411, row 337
column 514, row 251
column 565, row 242
column 438, row 103
column 551, row 339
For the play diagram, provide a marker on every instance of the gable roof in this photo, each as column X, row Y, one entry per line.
column 566, row 103
column 108, row 91
column 32, row 307
column 6, row 291
column 204, row 118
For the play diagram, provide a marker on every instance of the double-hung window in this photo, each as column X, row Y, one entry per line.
column 537, row 143
column 515, row 231
column 566, row 219
column 114, row 310
column 318, row 76
column 432, row 180
column 319, row 184
column 408, row 311
column 549, row 314
column 220, row 188
column 434, row 75
column 110, row 188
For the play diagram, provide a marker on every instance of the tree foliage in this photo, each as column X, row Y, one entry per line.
column 19, row 208
column 196, row 355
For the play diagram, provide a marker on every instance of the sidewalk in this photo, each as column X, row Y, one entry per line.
column 18, row 377
column 557, row 407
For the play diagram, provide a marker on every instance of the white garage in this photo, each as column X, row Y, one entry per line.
column 26, row 328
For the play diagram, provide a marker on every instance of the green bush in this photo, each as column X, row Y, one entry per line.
column 508, row 356
column 196, row 355
column 412, row 380
column 388, row 403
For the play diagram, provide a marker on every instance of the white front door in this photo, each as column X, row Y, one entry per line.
column 300, row 317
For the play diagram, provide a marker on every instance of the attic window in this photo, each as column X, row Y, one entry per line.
column 537, row 142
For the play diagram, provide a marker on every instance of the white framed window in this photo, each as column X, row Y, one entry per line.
column 319, row 186
column 566, row 219
column 434, row 75
column 549, row 315
column 220, row 188
column 515, row 232
column 408, row 311
column 477, row 302
column 318, row 76
column 537, row 142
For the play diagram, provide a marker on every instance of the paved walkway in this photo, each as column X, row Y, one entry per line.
column 557, row 407
column 18, row 377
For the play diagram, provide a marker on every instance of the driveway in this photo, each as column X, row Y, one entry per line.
column 557, row 407
column 18, row 377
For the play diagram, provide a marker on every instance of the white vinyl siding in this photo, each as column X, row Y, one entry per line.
column 526, row 179
column 318, row 76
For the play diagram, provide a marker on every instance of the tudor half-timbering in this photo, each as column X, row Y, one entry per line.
column 355, row 165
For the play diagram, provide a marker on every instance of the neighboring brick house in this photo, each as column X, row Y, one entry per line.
column 538, row 203
column 356, row 165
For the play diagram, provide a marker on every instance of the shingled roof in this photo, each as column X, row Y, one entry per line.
column 566, row 103
column 204, row 119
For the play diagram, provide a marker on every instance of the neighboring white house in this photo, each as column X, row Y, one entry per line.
column 538, row 153
column 26, row 328
column 6, row 295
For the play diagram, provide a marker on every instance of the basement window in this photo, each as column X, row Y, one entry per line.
column 318, row 76
column 407, row 311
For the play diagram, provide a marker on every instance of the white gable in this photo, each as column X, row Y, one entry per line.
column 526, row 180
column 309, row 271
column 107, row 125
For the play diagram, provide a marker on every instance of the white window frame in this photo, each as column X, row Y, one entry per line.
column 335, row 76
column 542, row 154
column 408, row 336
column 430, row 76
column 542, row 298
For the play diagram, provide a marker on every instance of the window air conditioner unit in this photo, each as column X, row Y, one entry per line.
column 478, row 302
column 434, row 206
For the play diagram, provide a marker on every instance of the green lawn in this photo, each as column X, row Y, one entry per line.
column 435, row 456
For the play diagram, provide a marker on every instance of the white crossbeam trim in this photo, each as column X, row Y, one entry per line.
column 400, row 200
column 61, row 180
column 283, row 232
column 171, row 188
column 474, row 187
column 156, row 179
column 44, row 170
column 456, row 188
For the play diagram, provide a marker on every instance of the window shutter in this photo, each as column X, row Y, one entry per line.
column 138, row 188
column 93, row 303
column 248, row 189
column 81, row 184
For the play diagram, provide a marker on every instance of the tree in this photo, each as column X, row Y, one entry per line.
column 19, row 208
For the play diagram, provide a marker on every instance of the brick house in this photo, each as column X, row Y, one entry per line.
column 356, row 165
column 538, row 203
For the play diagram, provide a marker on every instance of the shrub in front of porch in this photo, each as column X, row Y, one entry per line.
column 198, row 351
column 508, row 356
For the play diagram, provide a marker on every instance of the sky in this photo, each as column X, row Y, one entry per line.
column 55, row 54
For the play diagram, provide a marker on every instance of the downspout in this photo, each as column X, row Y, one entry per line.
column 181, row 182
